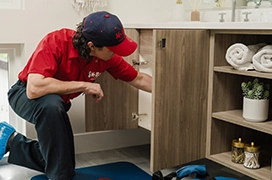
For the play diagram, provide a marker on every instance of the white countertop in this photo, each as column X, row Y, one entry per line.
column 203, row 25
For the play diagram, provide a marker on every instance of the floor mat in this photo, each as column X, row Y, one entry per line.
column 111, row 171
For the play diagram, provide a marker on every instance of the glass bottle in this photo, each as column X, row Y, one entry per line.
column 237, row 153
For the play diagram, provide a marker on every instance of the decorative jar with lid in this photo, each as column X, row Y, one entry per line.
column 251, row 156
column 237, row 153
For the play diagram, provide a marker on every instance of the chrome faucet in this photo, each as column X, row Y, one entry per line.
column 233, row 10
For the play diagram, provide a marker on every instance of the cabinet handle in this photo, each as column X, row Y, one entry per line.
column 136, row 116
column 137, row 63
column 162, row 43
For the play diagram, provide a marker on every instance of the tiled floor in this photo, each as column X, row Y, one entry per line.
column 138, row 155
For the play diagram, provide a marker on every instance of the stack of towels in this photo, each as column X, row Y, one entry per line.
column 252, row 57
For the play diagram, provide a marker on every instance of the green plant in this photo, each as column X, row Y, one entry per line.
column 255, row 89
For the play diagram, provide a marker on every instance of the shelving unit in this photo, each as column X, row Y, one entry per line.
column 225, row 121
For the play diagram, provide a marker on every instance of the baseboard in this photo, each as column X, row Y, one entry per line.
column 105, row 140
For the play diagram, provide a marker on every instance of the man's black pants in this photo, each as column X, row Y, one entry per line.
column 53, row 153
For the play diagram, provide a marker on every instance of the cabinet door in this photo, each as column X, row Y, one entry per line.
column 120, row 100
column 180, row 79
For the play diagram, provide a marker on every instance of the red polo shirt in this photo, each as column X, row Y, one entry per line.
column 55, row 56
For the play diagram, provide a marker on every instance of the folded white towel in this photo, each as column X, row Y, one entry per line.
column 262, row 60
column 240, row 56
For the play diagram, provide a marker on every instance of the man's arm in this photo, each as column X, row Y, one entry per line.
column 142, row 81
column 38, row 85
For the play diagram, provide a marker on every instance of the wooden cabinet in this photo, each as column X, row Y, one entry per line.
column 179, row 99
column 179, row 104
column 225, row 121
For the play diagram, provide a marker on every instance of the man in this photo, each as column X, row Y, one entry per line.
column 64, row 65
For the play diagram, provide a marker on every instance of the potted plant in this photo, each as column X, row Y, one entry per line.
column 256, row 100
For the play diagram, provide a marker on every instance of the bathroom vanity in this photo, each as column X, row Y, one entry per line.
column 196, row 99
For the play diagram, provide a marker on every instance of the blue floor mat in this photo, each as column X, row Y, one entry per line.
column 111, row 171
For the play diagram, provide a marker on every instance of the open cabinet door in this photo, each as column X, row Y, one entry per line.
column 180, row 77
column 120, row 100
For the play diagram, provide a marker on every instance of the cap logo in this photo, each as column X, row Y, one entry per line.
column 120, row 34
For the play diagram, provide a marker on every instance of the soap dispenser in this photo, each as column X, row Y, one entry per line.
column 178, row 11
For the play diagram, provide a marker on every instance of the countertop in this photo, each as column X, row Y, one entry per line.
column 202, row 25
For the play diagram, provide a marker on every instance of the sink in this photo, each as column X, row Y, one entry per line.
column 255, row 14
column 243, row 14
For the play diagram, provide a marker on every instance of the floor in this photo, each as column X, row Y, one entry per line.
column 138, row 155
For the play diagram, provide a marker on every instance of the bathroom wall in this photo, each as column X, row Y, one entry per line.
column 141, row 11
column 132, row 11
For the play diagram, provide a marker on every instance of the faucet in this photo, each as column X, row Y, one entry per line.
column 258, row 3
column 233, row 10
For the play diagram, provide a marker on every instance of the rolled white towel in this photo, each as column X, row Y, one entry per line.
column 262, row 60
column 240, row 56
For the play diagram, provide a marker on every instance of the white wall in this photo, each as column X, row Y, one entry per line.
column 29, row 25
column 139, row 11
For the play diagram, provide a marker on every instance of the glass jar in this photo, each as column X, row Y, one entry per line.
column 237, row 153
column 251, row 156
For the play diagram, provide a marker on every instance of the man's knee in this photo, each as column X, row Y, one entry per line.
column 52, row 104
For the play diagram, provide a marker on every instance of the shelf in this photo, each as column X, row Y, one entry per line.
column 235, row 117
column 227, row 122
column 231, row 70
column 146, row 126
column 225, row 159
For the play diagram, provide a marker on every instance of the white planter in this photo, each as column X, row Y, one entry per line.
column 255, row 110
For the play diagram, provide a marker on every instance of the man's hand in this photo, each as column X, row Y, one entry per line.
column 94, row 90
